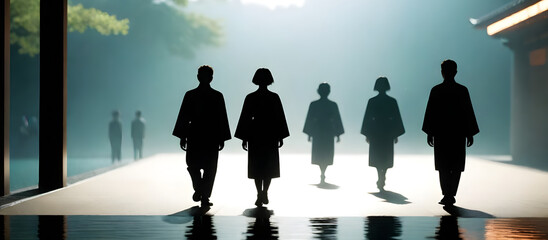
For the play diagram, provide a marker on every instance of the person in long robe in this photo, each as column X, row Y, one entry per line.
column 323, row 124
column 450, row 123
column 262, row 128
column 202, row 127
column 382, row 125
column 115, row 136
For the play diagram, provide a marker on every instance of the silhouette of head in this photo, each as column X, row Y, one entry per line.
column 138, row 114
column 115, row 114
column 448, row 69
column 382, row 85
column 205, row 74
column 263, row 77
column 324, row 89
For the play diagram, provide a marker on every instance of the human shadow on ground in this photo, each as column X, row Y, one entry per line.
column 186, row 215
column 326, row 185
column 466, row 213
column 258, row 212
column 391, row 197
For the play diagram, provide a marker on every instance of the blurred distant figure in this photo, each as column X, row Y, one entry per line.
column 382, row 125
column 323, row 124
column 28, row 127
column 202, row 126
column 451, row 124
column 24, row 129
column 115, row 136
column 262, row 128
column 25, row 144
column 138, row 134
column 33, row 126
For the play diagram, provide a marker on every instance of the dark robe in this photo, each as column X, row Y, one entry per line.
column 262, row 124
column 323, row 124
column 450, row 118
column 203, row 119
column 203, row 122
column 382, row 123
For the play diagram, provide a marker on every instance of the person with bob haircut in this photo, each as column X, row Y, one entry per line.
column 382, row 125
column 323, row 124
column 262, row 128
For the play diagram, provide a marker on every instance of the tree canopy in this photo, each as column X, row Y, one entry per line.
column 25, row 23
column 181, row 39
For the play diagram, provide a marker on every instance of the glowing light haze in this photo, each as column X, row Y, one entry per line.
column 347, row 43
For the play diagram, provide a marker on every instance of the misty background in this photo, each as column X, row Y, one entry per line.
column 348, row 44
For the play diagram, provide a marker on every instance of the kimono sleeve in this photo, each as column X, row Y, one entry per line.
column 244, row 123
column 398, row 129
column 183, row 120
column 224, row 128
column 429, row 123
column 283, row 130
column 338, row 126
column 367, row 119
column 309, row 124
column 470, row 118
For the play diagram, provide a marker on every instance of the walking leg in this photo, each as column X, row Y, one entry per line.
column 266, row 185
column 258, row 186
column 322, row 176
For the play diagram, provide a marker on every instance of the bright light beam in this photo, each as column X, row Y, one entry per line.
column 518, row 17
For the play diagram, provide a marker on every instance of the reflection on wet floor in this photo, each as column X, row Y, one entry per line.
column 269, row 227
column 201, row 228
column 324, row 228
column 262, row 229
column 448, row 228
column 382, row 227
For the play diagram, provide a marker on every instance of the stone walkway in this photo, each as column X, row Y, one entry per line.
column 160, row 185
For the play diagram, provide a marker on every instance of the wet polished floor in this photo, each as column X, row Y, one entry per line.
column 261, row 226
column 151, row 199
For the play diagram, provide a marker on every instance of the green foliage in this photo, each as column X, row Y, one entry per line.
column 80, row 18
column 182, row 32
column 25, row 23
column 199, row 31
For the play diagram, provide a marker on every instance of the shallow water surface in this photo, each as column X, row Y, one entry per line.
column 270, row 227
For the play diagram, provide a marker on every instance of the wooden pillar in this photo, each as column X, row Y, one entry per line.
column 5, row 165
column 53, row 94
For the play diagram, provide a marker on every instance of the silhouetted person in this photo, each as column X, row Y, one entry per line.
column 450, row 124
column 382, row 228
column 115, row 136
column 323, row 124
column 262, row 128
column 382, row 125
column 202, row 126
column 138, row 134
